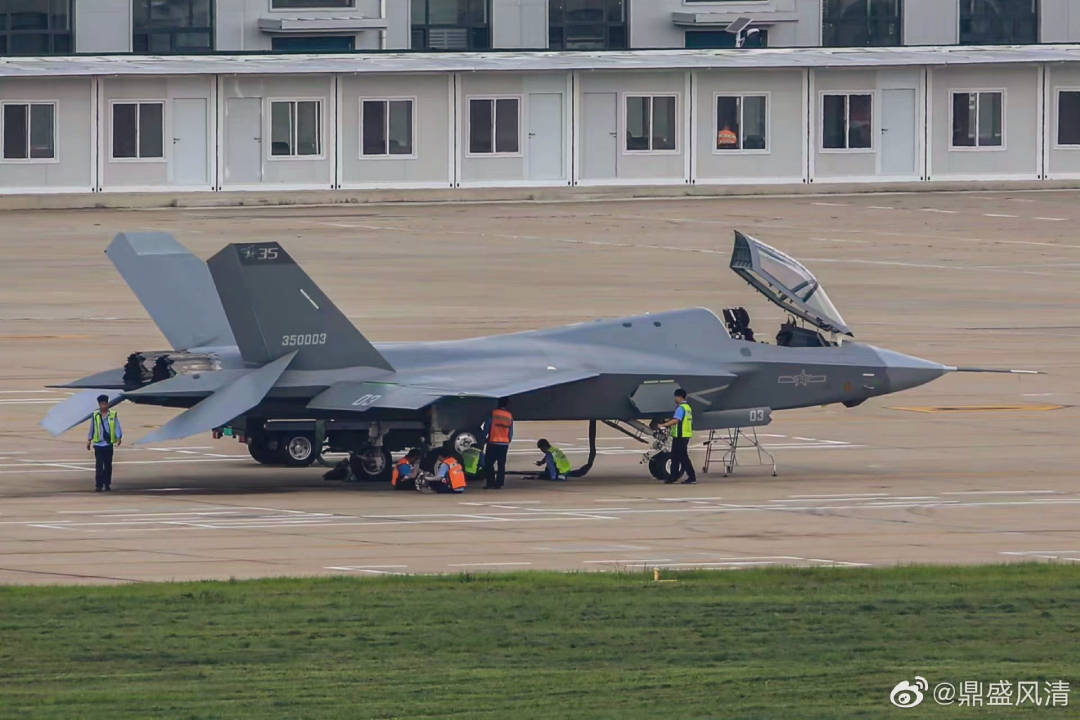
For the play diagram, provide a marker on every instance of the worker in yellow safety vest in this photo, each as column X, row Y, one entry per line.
column 555, row 463
column 449, row 474
column 473, row 461
column 104, row 435
column 682, row 431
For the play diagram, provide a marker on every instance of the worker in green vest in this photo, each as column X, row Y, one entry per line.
column 473, row 461
column 555, row 463
column 104, row 435
column 682, row 431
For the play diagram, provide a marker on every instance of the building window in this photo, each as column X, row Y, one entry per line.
column 164, row 27
column 1068, row 117
column 847, row 122
column 451, row 24
column 311, row 4
column 861, row 23
column 296, row 128
column 29, row 131
column 314, row 44
column 651, row 123
column 386, row 128
column 494, row 126
column 977, row 119
column 999, row 22
column 587, row 24
column 741, row 122
column 138, row 130
column 721, row 39
column 35, row 27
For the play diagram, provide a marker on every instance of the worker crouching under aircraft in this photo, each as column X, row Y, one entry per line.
column 555, row 463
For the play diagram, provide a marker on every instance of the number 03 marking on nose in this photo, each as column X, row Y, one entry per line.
column 368, row 400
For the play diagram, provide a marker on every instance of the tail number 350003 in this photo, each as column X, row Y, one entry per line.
column 303, row 340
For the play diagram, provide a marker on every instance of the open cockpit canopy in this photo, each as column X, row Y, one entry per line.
column 786, row 282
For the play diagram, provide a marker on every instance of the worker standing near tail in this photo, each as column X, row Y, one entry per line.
column 449, row 475
column 405, row 471
column 500, row 433
column 105, row 434
column 682, row 431
column 555, row 463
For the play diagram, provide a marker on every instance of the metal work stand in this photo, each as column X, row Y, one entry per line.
column 729, row 441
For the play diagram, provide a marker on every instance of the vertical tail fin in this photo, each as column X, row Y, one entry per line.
column 274, row 309
column 175, row 288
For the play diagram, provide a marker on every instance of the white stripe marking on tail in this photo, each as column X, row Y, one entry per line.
column 309, row 298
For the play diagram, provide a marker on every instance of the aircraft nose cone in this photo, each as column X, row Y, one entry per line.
column 906, row 371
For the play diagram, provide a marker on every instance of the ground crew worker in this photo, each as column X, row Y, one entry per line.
column 406, row 471
column 449, row 476
column 726, row 138
column 500, row 432
column 473, row 461
column 682, row 430
column 555, row 463
column 105, row 433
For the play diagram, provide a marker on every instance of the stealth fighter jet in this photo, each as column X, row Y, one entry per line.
column 260, row 352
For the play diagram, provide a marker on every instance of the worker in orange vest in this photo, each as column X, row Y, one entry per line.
column 406, row 471
column 500, row 433
column 726, row 139
column 449, row 474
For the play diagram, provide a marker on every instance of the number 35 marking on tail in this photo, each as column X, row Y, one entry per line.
column 303, row 340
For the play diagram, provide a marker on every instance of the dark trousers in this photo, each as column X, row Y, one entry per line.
column 495, row 455
column 680, row 459
column 442, row 488
column 103, row 466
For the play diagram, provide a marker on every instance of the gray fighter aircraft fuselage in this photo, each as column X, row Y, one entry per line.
column 262, row 342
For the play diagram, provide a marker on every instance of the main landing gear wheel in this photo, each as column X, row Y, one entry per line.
column 297, row 449
column 261, row 453
column 372, row 464
column 660, row 466
column 462, row 440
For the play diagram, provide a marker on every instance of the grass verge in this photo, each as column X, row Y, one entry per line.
column 771, row 643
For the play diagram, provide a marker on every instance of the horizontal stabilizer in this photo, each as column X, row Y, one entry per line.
column 112, row 379
column 75, row 410
column 274, row 308
column 189, row 385
column 229, row 402
column 174, row 286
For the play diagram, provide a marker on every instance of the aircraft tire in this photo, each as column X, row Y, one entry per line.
column 372, row 464
column 462, row 440
column 658, row 465
column 297, row 449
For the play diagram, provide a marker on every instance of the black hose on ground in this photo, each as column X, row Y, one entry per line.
column 584, row 469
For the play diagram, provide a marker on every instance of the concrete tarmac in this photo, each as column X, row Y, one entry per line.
column 969, row 469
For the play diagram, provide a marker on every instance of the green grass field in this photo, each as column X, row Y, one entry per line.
column 768, row 643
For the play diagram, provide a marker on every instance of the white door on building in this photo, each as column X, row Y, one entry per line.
column 546, row 151
column 189, row 141
column 599, row 136
column 898, row 132
column 243, row 141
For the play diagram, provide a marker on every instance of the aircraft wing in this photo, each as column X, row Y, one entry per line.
column 363, row 396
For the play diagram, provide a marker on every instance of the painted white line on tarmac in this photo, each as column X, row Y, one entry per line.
column 27, row 392
column 828, row 204
column 487, row 564
column 652, row 561
column 1003, row 492
column 999, row 215
column 935, row 210
column 879, row 207
column 1052, row 219
column 840, row 495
